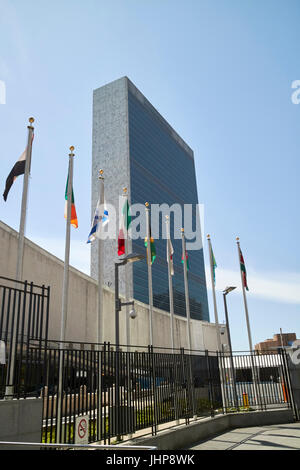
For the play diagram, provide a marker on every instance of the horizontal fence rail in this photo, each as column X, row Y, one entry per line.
column 74, row 446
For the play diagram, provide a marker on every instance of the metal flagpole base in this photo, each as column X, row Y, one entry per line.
column 9, row 392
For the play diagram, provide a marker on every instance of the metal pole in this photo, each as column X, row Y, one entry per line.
column 149, row 260
column 254, row 372
column 169, row 254
column 187, row 306
column 281, row 341
column 186, row 290
column 127, row 267
column 214, row 294
column 245, row 300
column 9, row 389
column 65, row 293
column 117, row 340
column 230, row 352
column 100, row 335
column 117, row 306
column 24, row 202
column 67, row 250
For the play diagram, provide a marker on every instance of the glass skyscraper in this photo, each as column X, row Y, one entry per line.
column 138, row 149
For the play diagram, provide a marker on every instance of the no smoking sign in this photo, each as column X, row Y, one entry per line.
column 82, row 430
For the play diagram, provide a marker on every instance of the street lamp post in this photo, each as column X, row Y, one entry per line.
column 225, row 292
column 131, row 258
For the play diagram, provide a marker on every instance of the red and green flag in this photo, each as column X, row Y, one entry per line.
column 125, row 223
column 74, row 220
column 243, row 269
column 187, row 260
column 152, row 247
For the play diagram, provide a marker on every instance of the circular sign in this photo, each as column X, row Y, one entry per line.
column 82, row 428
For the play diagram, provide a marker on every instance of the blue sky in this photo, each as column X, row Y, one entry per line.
column 220, row 71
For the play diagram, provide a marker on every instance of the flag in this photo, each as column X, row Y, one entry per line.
column 99, row 222
column 170, row 252
column 74, row 220
column 214, row 264
column 243, row 269
column 152, row 247
column 18, row 169
column 187, row 260
column 125, row 223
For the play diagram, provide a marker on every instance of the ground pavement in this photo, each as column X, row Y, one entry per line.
column 274, row 437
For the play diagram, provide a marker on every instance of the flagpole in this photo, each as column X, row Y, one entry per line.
column 100, row 335
column 127, row 267
column 186, row 290
column 188, row 315
column 149, row 260
column 64, row 309
column 9, row 389
column 20, row 257
column 245, row 298
column 253, row 366
column 171, row 297
column 214, row 293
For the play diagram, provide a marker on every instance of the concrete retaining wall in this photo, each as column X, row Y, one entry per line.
column 184, row 436
column 42, row 267
column 20, row 421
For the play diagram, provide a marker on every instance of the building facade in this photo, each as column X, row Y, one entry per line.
column 138, row 149
column 284, row 340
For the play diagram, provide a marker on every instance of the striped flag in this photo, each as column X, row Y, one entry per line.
column 187, row 260
column 17, row 170
column 243, row 269
column 125, row 223
column 74, row 220
column 100, row 220
column 170, row 252
column 152, row 247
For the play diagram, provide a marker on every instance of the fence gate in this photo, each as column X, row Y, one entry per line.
column 24, row 316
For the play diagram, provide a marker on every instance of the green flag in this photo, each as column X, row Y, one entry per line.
column 214, row 264
column 187, row 260
column 152, row 248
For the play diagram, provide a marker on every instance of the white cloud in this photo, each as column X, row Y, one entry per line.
column 277, row 286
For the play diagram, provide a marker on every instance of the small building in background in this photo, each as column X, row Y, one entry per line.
column 279, row 340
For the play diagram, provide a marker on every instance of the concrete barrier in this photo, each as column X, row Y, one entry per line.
column 20, row 420
column 182, row 437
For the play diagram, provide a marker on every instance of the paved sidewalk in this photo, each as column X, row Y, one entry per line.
column 275, row 437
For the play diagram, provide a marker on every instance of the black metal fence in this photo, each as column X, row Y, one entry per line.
column 24, row 316
column 252, row 381
column 138, row 390
column 120, row 392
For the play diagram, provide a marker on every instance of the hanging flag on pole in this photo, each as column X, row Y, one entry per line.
column 17, row 170
column 170, row 253
column 243, row 269
column 21, row 167
column 187, row 260
column 214, row 264
column 152, row 247
column 125, row 224
column 74, row 220
column 99, row 222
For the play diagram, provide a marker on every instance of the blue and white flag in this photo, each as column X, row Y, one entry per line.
column 100, row 220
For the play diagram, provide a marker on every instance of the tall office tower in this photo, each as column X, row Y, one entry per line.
column 138, row 149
